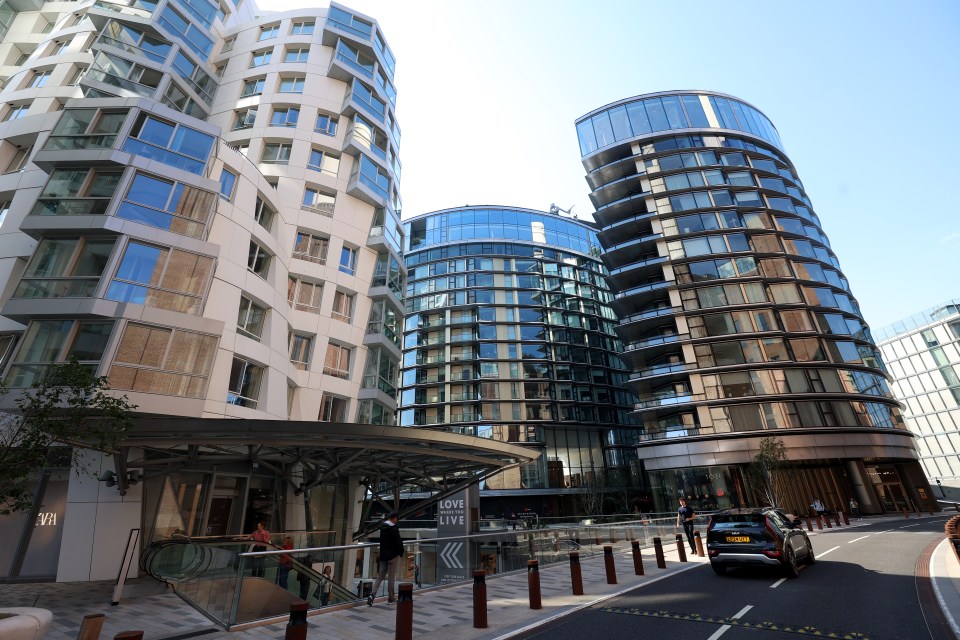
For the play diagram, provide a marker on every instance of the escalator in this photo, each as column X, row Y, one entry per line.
column 229, row 589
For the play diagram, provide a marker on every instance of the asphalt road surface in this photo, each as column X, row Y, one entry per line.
column 862, row 586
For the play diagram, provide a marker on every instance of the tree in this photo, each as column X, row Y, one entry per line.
column 764, row 472
column 67, row 411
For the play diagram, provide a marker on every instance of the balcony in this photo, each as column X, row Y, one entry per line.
column 57, row 287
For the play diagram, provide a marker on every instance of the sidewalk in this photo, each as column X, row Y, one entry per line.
column 439, row 613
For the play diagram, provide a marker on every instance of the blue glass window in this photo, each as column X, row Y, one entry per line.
column 695, row 111
column 621, row 124
column 658, row 118
column 193, row 36
column 603, row 129
column 638, row 118
column 176, row 145
column 228, row 180
column 671, row 106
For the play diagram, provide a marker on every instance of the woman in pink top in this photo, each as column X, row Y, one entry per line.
column 262, row 537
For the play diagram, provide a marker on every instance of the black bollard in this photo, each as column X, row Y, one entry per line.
column 533, row 583
column 658, row 549
column 609, row 565
column 479, row 600
column 637, row 558
column 576, row 577
column 698, row 542
column 404, row 612
column 297, row 626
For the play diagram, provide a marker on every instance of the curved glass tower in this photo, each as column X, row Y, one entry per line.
column 737, row 320
column 509, row 336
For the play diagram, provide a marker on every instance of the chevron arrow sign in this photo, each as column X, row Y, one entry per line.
column 450, row 555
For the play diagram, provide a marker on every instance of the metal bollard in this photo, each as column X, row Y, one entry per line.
column 596, row 537
column 906, row 514
column 846, row 520
column 826, row 521
column 404, row 612
column 836, row 516
column 956, row 507
column 608, row 565
column 129, row 635
column 480, row 599
column 809, row 525
column 698, row 541
column 297, row 626
column 681, row 548
column 637, row 558
column 533, row 583
column 613, row 536
column 91, row 626
column 576, row 577
column 819, row 524
column 658, row 549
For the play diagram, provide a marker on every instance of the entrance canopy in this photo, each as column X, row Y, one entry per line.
column 306, row 454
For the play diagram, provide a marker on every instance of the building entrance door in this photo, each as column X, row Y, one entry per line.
column 221, row 508
column 892, row 496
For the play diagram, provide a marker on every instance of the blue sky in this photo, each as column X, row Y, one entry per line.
column 862, row 94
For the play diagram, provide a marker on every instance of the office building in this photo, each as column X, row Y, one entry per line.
column 923, row 355
column 509, row 337
column 736, row 318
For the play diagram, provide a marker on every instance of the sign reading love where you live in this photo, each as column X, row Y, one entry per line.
column 453, row 521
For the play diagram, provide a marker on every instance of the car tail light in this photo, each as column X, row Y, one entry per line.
column 713, row 552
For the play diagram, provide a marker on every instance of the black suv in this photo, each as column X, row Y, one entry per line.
column 756, row 537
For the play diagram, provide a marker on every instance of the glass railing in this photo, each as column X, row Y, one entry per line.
column 356, row 66
column 166, row 156
column 72, row 143
column 128, row 8
column 71, row 207
column 650, row 342
column 106, row 78
column 57, row 287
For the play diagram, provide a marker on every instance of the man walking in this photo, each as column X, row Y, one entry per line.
column 685, row 517
column 391, row 549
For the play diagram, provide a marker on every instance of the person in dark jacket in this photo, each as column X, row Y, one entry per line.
column 391, row 549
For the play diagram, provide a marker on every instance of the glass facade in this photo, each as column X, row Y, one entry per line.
column 736, row 319
column 509, row 336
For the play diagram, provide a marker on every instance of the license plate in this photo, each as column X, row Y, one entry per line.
column 738, row 538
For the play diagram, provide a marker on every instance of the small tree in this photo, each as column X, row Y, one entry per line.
column 765, row 470
column 60, row 415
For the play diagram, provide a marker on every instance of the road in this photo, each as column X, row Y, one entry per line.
column 863, row 586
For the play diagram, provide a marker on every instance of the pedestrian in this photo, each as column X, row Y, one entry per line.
column 303, row 578
column 325, row 587
column 391, row 548
column 262, row 538
column 685, row 517
column 855, row 509
column 817, row 506
column 285, row 563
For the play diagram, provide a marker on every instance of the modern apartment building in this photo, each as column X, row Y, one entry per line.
column 923, row 355
column 736, row 318
column 509, row 337
column 201, row 203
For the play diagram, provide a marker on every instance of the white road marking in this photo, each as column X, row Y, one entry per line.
column 778, row 583
column 823, row 553
column 855, row 539
column 722, row 630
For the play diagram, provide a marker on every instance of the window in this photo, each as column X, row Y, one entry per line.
column 16, row 111
column 324, row 162
column 258, row 260
column 276, row 153
column 78, row 71
column 176, row 98
column 193, row 36
column 39, row 79
column 304, row 295
column 263, row 214
column 86, row 129
column 296, row 54
column 195, row 77
column 162, row 360
column 65, row 268
column 47, row 342
column 285, row 116
column 261, row 57
column 302, row 28
column 228, row 44
column 310, row 247
column 58, row 47
column 268, row 32
column 350, row 23
column 301, row 347
column 348, row 260
column 252, row 87
column 372, row 176
column 342, row 306
column 77, row 192
column 19, row 159
column 332, row 409
column 228, row 180
column 292, row 84
column 250, row 318
column 166, row 204
column 4, row 210
column 161, row 277
column 318, row 201
column 169, row 143
column 337, row 362
column 326, row 125
column 244, row 118
column 244, row 386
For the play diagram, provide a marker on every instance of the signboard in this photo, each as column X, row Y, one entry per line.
column 453, row 521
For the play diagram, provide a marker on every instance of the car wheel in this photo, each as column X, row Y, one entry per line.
column 811, row 558
column 791, row 568
column 718, row 568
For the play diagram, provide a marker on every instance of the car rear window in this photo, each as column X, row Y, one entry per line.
column 734, row 521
